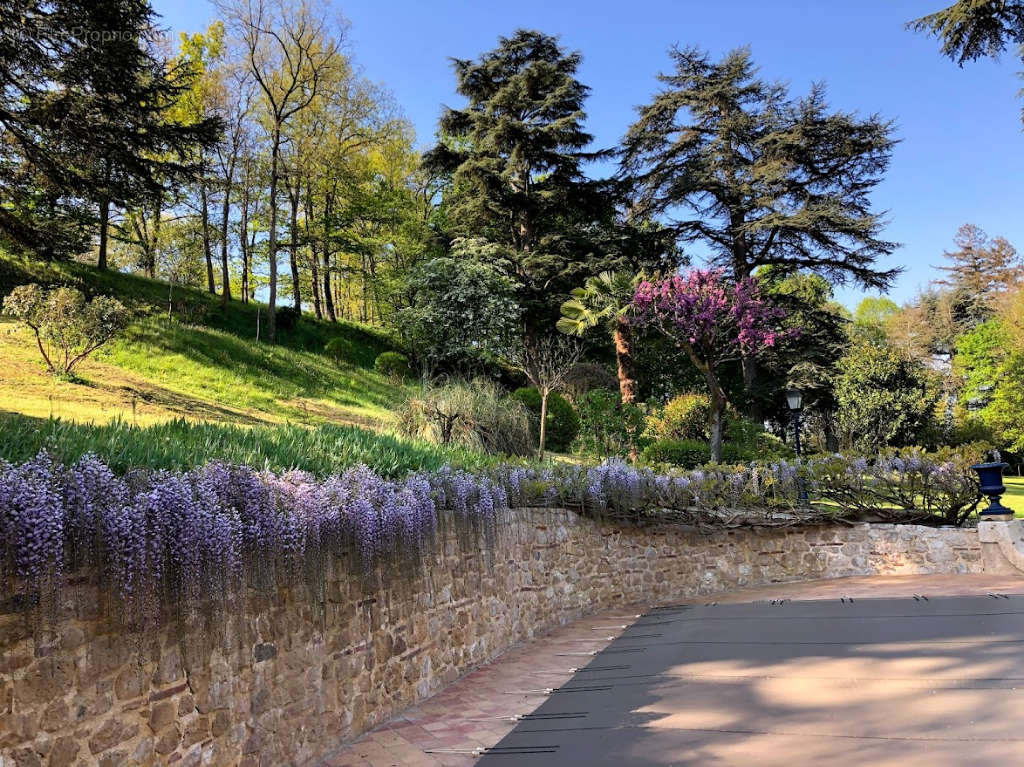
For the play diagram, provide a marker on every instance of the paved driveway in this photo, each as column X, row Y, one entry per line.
column 867, row 671
column 908, row 681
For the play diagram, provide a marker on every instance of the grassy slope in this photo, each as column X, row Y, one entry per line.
column 210, row 370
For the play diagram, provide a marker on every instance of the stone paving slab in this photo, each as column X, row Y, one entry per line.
column 477, row 712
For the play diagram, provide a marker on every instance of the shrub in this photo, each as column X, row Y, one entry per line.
column 67, row 327
column 585, row 377
column 748, row 441
column 910, row 483
column 286, row 318
column 341, row 350
column 607, row 426
column 563, row 424
column 476, row 415
column 684, row 417
column 685, row 453
column 394, row 365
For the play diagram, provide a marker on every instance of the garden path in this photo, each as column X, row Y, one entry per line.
column 476, row 712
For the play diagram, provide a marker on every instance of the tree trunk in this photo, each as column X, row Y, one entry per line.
column 628, row 386
column 314, row 275
column 717, row 419
column 225, row 216
column 101, row 259
column 272, row 234
column 328, row 293
column 314, row 267
column 363, row 310
column 243, row 243
column 543, row 422
column 155, row 245
column 717, row 401
column 293, row 199
column 831, row 438
column 205, row 215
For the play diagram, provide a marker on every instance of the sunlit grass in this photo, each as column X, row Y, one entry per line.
column 210, row 368
column 180, row 445
column 1014, row 497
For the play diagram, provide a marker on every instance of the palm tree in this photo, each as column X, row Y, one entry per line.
column 606, row 300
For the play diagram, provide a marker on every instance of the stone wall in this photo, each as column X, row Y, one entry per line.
column 289, row 683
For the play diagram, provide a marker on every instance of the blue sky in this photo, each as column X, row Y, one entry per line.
column 961, row 156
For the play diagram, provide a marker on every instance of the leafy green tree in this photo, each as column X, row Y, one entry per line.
column 731, row 161
column 606, row 300
column 515, row 155
column 885, row 398
column 986, row 367
column 66, row 326
column 290, row 49
column 461, row 308
column 1002, row 413
column 979, row 355
column 872, row 316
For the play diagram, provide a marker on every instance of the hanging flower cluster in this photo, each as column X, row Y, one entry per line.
column 206, row 532
column 201, row 535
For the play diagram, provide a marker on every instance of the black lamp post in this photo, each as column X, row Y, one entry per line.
column 795, row 401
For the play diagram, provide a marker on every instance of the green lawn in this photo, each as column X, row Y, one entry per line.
column 202, row 364
column 1014, row 497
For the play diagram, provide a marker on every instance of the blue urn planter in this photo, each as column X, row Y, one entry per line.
column 990, row 478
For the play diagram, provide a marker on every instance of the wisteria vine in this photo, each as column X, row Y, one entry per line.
column 213, row 530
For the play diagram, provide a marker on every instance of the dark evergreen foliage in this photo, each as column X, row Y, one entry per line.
column 760, row 178
column 972, row 29
column 84, row 106
column 516, row 156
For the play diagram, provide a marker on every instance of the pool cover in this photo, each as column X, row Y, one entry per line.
column 926, row 680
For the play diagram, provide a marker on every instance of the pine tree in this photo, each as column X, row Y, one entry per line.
column 972, row 29
column 981, row 268
column 733, row 162
column 515, row 155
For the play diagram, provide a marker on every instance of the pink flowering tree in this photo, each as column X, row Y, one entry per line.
column 714, row 321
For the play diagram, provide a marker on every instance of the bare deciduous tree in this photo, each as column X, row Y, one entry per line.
column 546, row 361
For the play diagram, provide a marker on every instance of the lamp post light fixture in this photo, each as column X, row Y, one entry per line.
column 795, row 401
